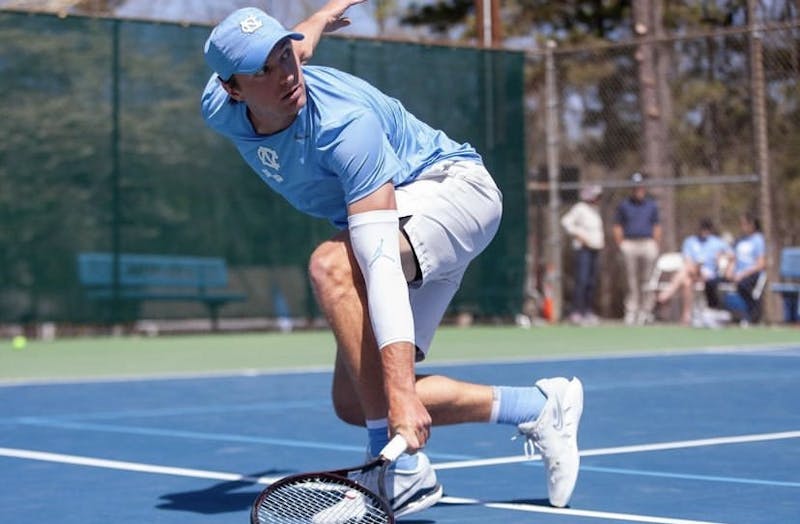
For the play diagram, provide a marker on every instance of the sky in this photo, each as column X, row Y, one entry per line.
column 289, row 12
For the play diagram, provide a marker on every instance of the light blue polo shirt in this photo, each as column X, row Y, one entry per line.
column 705, row 251
column 347, row 141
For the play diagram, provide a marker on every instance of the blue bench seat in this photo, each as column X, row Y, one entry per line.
column 158, row 277
column 789, row 287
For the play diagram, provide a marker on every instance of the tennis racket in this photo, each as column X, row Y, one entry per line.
column 329, row 497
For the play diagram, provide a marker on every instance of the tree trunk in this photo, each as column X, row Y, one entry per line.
column 656, row 105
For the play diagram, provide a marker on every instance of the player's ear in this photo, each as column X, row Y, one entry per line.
column 232, row 88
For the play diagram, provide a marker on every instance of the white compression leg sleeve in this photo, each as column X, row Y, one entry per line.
column 374, row 236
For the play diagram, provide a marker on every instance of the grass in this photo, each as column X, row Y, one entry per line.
column 229, row 353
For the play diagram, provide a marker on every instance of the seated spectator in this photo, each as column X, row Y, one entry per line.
column 747, row 265
column 702, row 253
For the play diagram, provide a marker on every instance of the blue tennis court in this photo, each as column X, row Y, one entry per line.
column 694, row 437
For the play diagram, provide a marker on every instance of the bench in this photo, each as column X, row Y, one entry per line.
column 158, row 277
column 789, row 287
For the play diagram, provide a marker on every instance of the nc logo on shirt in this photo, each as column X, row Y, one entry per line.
column 250, row 24
column 269, row 157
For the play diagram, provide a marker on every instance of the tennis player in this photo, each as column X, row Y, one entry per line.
column 414, row 208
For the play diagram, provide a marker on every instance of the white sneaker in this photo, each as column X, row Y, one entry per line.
column 408, row 491
column 555, row 435
column 590, row 319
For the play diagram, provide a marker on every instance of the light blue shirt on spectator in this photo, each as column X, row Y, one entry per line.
column 348, row 140
column 748, row 250
column 705, row 252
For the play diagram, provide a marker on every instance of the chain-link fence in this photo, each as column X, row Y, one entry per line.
column 714, row 119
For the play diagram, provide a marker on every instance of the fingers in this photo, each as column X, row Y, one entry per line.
column 337, row 20
column 337, row 24
column 415, row 438
column 416, row 430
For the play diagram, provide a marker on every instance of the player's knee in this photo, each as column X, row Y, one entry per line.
column 329, row 269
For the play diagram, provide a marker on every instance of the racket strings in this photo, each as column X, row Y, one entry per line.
column 319, row 501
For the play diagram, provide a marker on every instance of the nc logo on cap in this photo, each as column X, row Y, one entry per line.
column 250, row 24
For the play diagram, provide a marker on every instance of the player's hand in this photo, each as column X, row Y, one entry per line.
column 408, row 417
column 334, row 11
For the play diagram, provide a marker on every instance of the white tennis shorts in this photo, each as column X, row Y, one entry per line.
column 454, row 210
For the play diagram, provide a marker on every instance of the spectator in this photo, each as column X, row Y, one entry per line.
column 585, row 225
column 748, row 264
column 637, row 233
column 702, row 253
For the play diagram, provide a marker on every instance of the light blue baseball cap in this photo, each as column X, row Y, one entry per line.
column 242, row 42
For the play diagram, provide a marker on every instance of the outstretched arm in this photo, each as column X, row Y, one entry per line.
column 328, row 19
column 375, row 240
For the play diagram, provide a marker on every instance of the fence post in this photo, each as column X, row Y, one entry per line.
column 116, row 218
column 761, row 146
column 554, row 275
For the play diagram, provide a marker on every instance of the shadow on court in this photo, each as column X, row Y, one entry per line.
column 223, row 497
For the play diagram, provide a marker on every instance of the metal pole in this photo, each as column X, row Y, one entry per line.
column 761, row 142
column 487, row 23
column 553, row 170
column 488, row 26
column 115, row 167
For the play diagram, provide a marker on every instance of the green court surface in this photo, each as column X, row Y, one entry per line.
column 79, row 358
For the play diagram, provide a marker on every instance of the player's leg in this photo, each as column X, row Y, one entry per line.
column 448, row 401
column 357, row 390
column 436, row 257
column 358, row 393
column 454, row 220
column 341, row 294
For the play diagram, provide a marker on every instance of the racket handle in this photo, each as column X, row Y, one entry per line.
column 396, row 447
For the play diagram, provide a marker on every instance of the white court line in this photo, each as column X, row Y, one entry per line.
column 233, row 477
column 532, row 508
column 132, row 466
column 619, row 450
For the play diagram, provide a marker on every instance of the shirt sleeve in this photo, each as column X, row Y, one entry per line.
column 358, row 152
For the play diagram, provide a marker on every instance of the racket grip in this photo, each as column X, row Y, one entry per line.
column 396, row 447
